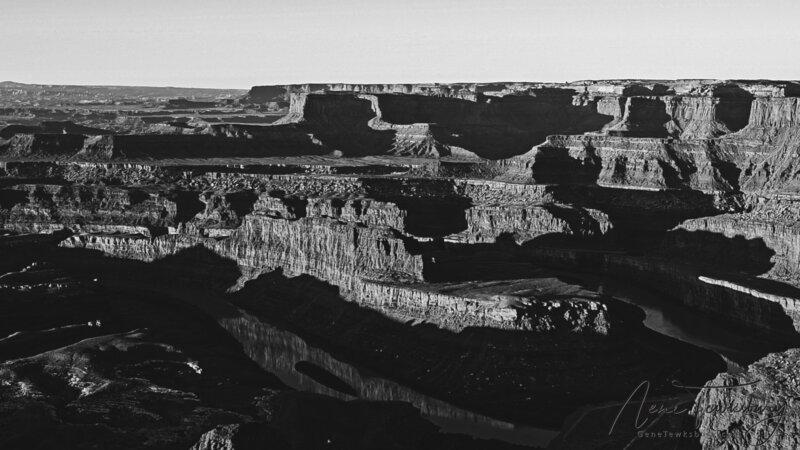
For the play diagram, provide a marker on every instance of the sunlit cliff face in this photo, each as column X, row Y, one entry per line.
column 500, row 258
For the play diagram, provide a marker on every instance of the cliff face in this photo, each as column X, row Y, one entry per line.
column 704, row 143
column 352, row 231
column 336, row 230
column 41, row 145
column 469, row 121
column 639, row 163
column 41, row 208
column 478, row 224
column 770, row 140
column 781, row 236
column 754, row 408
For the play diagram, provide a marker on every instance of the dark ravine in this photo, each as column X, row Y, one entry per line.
column 509, row 259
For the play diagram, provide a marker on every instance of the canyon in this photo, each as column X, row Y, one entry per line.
column 472, row 265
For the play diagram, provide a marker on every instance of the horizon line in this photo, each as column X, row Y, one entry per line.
column 111, row 85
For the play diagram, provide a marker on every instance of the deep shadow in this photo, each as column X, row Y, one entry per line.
column 677, row 178
column 496, row 127
column 432, row 208
column 241, row 202
column 643, row 234
column 258, row 141
column 640, row 89
column 577, row 219
column 424, row 358
column 715, row 250
column 554, row 165
column 639, row 217
column 11, row 197
column 137, row 196
column 434, row 217
column 187, row 203
column 730, row 172
column 10, row 130
column 673, row 276
column 733, row 106
column 69, row 127
column 646, row 117
column 51, row 127
column 644, row 224
column 165, row 355
column 340, row 121
column 501, row 260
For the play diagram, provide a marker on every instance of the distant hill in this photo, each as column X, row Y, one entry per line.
column 112, row 93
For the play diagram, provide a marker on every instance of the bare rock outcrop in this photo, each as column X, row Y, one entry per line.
column 756, row 408
column 434, row 244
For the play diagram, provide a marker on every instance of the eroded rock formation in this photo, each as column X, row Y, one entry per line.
column 452, row 247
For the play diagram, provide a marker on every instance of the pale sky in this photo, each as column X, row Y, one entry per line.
column 240, row 43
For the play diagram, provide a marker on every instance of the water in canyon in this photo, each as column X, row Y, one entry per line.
column 311, row 368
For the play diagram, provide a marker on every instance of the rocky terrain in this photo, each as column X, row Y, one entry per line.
column 496, row 265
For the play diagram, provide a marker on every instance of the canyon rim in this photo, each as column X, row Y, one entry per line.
column 582, row 265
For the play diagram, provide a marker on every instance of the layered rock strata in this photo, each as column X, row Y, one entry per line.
column 448, row 205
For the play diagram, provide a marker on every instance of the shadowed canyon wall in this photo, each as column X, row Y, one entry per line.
column 445, row 213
